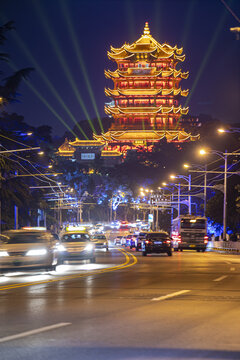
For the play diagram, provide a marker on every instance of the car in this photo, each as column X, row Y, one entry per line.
column 118, row 240
column 128, row 239
column 140, row 238
column 28, row 249
column 76, row 245
column 100, row 241
column 157, row 242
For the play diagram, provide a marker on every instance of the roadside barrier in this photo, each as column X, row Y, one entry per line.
column 224, row 246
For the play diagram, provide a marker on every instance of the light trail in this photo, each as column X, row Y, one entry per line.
column 62, row 60
column 28, row 54
column 73, row 37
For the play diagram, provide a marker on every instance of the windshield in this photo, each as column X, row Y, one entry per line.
column 100, row 237
column 156, row 236
column 75, row 238
column 24, row 238
column 193, row 223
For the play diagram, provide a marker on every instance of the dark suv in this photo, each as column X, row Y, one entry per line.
column 157, row 242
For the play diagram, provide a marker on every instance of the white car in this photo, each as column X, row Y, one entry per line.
column 28, row 249
column 76, row 245
column 100, row 241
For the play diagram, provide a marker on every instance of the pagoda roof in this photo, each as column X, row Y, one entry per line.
column 146, row 72
column 146, row 44
column 66, row 149
column 110, row 153
column 109, row 110
column 145, row 92
column 78, row 143
column 146, row 135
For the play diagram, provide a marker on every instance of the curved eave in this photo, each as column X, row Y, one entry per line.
column 164, row 73
column 145, row 110
column 120, row 56
column 148, row 135
column 147, row 92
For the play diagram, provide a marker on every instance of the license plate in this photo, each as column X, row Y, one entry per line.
column 192, row 246
column 16, row 263
column 157, row 242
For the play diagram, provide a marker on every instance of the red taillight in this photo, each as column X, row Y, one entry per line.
column 205, row 239
column 179, row 239
column 147, row 242
column 167, row 242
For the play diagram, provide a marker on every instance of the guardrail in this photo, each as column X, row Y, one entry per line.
column 225, row 246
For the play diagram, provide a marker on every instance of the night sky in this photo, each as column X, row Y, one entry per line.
column 44, row 40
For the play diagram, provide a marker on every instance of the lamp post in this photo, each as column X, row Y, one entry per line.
column 204, row 169
column 15, row 207
column 179, row 195
column 224, row 156
column 188, row 179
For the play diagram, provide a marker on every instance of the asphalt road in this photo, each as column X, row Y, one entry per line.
column 124, row 307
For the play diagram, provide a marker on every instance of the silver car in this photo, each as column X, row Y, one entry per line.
column 28, row 249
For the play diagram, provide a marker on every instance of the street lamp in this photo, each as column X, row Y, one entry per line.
column 204, row 169
column 230, row 130
column 188, row 179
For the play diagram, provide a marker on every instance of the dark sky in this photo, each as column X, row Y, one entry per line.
column 43, row 40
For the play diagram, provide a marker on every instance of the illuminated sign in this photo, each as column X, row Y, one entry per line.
column 87, row 156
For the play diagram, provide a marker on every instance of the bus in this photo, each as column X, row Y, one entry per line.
column 189, row 233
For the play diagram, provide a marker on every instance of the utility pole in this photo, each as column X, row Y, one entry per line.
column 225, row 198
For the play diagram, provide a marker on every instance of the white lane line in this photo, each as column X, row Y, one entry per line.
column 170, row 295
column 220, row 278
column 33, row 332
column 232, row 269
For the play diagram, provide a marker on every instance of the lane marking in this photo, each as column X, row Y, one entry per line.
column 33, row 332
column 232, row 269
column 170, row 295
column 228, row 262
column 126, row 264
column 221, row 278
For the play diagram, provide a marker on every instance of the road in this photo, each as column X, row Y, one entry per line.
column 125, row 307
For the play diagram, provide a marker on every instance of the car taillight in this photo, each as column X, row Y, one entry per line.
column 148, row 242
column 167, row 242
column 179, row 238
column 205, row 239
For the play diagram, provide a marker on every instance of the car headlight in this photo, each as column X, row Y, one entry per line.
column 61, row 248
column 4, row 253
column 89, row 247
column 36, row 252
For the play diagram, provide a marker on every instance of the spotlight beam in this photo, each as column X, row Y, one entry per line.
column 62, row 60
column 206, row 57
column 28, row 54
column 73, row 37
column 44, row 101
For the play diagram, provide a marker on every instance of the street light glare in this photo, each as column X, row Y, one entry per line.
column 186, row 166
column 202, row 152
column 221, row 130
column 41, row 153
column 172, row 177
column 164, row 184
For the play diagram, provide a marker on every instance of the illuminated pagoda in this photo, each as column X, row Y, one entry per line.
column 145, row 98
column 145, row 102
